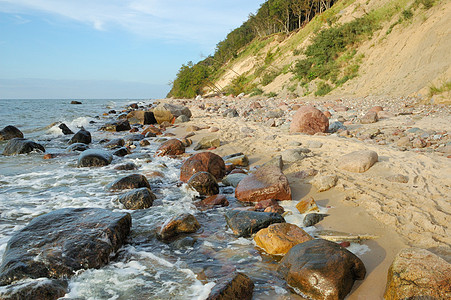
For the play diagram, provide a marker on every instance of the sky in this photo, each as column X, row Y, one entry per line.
column 112, row 49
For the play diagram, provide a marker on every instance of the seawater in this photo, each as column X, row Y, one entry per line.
column 145, row 268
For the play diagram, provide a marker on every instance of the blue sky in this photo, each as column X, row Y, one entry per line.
column 107, row 48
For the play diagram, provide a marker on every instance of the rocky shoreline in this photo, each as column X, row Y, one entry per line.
column 247, row 156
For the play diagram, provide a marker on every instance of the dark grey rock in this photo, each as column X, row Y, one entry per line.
column 244, row 223
column 21, row 146
column 234, row 286
column 312, row 219
column 10, row 132
column 65, row 129
column 39, row 289
column 132, row 181
column 82, row 136
column 137, row 199
column 94, row 158
column 79, row 147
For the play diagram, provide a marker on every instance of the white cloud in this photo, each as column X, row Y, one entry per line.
column 187, row 20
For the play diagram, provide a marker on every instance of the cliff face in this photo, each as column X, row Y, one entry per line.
column 407, row 55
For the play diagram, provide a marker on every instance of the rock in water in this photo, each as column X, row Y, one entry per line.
column 132, row 181
column 21, row 146
column 170, row 147
column 10, row 132
column 79, row 147
column 39, row 289
column 94, row 158
column 204, row 183
column 204, row 161
column 58, row 244
column 82, row 136
column 138, row 199
column 358, row 161
column 320, row 269
column 268, row 182
column 309, row 120
column 117, row 126
column 65, row 129
column 234, row 286
column 418, row 274
column 184, row 223
column 279, row 238
column 244, row 223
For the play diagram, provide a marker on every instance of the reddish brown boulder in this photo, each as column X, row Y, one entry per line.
column 327, row 114
column 153, row 130
column 215, row 200
column 203, row 162
column 268, row 182
column 170, row 147
column 184, row 223
column 309, row 120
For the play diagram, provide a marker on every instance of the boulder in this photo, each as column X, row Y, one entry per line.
column 170, row 147
column 133, row 181
column 233, row 179
column 39, row 289
column 116, row 126
column 418, row 274
column 58, row 244
column 268, row 182
column 369, row 117
column 358, row 161
column 309, row 120
column 324, row 182
column 207, row 142
column 10, row 132
column 21, row 146
column 137, row 199
column 184, row 223
column 75, row 102
column 115, row 143
column 321, row 269
column 279, row 238
column 82, row 136
column 141, row 117
column 203, row 162
column 65, row 129
column 204, row 183
column 245, row 223
column 234, row 286
column 77, row 147
column 94, row 158
column 167, row 112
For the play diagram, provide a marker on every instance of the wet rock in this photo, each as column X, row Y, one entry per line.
column 134, row 137
column 369, row 117
column 307, row 205
column 75, row 102
column 233, row 179
column 321, row 269
column 132, row 181
column 185, row 242
column 203, row 162
column 17, row 146
column 77, row 147
column 398, row 178
column 94, row 158
column 184, row 223
column 324, row 182
column 358, row 161
column 312, row 219
column 262, row 205
column 58, row 244
column 237, row 159
column 82, row 136
column 116, row 126
column 245, row 223
column 204, row 183
column 170, row 147
column 39, row 289
column 65, row 129
column 207, row 142
column 167, row 112
column 418, row 274
column 141, row 117
column 279, row 238
column 126, row 167
column 137, row 199
column 309, row 120
column 215, row 200
column 267, row 182
column 121, row 152
column 151, row 131
column 234, row 286
column 115, row 143
column 10, row 132
column 275, row 209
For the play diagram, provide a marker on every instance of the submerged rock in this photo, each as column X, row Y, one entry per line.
column 94, row 158
column 321, row 269
column 39, row 289
column 244, row 223
column 137, row 199
column 204, row 161
column 82, row 136
column 10, row 132
column 58, row 244
column 233, row 286
column 21, row 146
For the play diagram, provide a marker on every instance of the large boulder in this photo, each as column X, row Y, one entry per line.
column 279, row 238
column 204, row 161
column 133, row 181
column 167, row 112
column 204, row 183
column 234, row 286
column 116, row 126
column 82, row 136
column 170, row 147
column 309, row 120
column 321, row 269
column 358, row 161
column 141, row 117
column 418, row 274
column 58, row 244
column 184, row 223
column 21, row 146
column 94, row 158
column 137, row 199
column 268, row 182
column 38, row 289
column 10, row 132
column 245, row 223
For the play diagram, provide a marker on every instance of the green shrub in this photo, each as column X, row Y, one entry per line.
column 323, row 89
column 444, row 87
column 269, row 77
column 256, row 92
column 426, row 3
column 407, row 14
column 271, row 94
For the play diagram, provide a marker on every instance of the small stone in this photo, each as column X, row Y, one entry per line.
column 309, row 120
column 369, row 117
column 324, row 182
column 307, row 205
column 184, row 223
column 215, row 200
column 233, row 179
column 314, row 144
column 312, row 219
column 404, row 142
column 170, row 147
column 82, row 136
column 207, row 142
